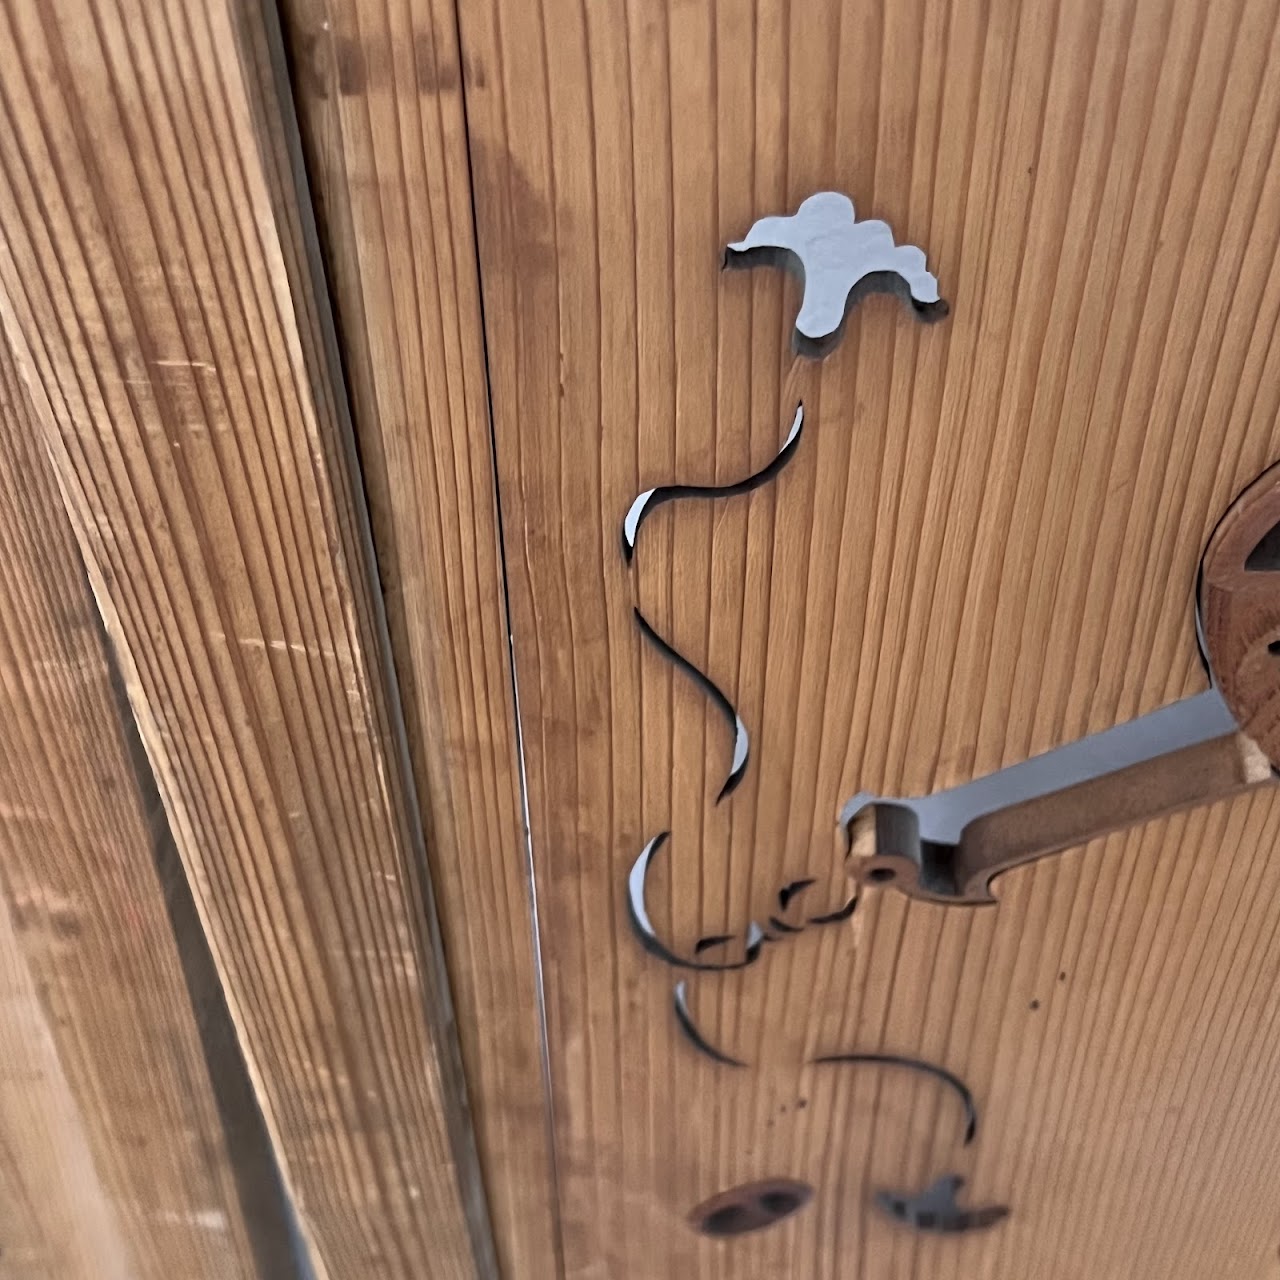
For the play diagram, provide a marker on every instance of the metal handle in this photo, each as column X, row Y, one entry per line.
column 887, row 849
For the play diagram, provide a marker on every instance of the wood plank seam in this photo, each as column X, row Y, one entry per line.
column 357, row 996
column 383, row 106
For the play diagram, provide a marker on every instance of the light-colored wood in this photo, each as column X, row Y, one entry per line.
column 156, row 288
column 82, row 884
column 380, row 96
column 985, row 545
column 54, row 1211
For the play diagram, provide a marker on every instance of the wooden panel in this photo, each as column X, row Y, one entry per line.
column 380, row 99
column 155, row 287
column 54, row 1211
column 986, row 544
column 82, row 883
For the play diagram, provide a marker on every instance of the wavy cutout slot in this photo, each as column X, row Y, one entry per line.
column 651, row 499
column 925, row 1068
column 648, row 935
column 680, row 1002
column 835, row 917
column 741, row 742
column 791, row 888
column 714, row 940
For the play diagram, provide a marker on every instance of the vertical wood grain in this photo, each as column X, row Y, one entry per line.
column 985, row 546
column 55, row 1214
column 84, row 891
column 158, row 293
column 380, row 96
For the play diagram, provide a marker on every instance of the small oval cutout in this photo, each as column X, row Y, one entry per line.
column 751, row 1206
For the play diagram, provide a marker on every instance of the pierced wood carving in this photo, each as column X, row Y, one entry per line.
column 935, row 1209
column 838, row 260
column 750, row 1207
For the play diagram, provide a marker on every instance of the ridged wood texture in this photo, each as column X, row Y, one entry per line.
column 986, row 545
column 56, row 1215
column 86, row 905
column 157, row 289
column 379, row 95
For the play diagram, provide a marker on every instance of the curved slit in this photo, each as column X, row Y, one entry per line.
column 651, row 499
column 834, row 917
column 648, row 935
column 690, row 1028
column 741, row 742
column 715, row 940
column 789, row 891
column 917, row 1064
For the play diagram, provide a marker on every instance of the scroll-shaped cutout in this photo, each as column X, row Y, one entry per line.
column 838, row 260
column 835, row 917
column 651, row 499
column 685, row 1018
column 935, row 1209
column 916, row 1064
column 789, row 891
column 754, row 939
column 714, row 940
column 741, row 742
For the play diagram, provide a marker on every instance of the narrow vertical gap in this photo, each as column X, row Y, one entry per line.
column 525, row 815
column 270, row 1218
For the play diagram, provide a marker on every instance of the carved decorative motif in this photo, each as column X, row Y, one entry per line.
column 840, row 259
column 935, row 1209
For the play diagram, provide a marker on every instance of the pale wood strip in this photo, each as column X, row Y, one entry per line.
column 82, row 879
column 55, row 1215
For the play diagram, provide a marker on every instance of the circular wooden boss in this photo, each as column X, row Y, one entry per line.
column 1240, row 610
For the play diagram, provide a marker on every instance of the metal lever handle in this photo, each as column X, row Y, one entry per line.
column 887, row 847
column 950, row 846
